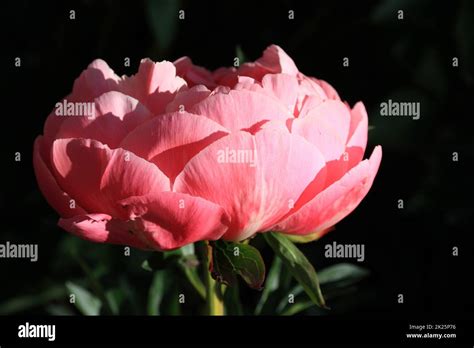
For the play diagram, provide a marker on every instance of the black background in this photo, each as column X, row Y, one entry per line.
column 409, row 251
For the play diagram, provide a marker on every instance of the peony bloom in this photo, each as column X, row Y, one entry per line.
column 176, row 154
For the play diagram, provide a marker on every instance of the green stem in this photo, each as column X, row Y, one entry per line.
column 214, row 300
column 214, row 296
column 94, row 284
column 195, row 281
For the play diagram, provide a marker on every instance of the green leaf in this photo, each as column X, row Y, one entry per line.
column 59, row 310
column 284, row 303
column 337, row 280
column 297, row 307
column 340, row 279
column 163, row 260
column 26, row 302
column 240, row 54
column 232, row 301
column 183, row 259
column 115, row 298
column 95, row 285
column 342, row 274
column 188, row 266
column 170, row 304
column 229, row 258
column 156, row 292
column 85, row 302
column 271, row 284
column 131, row 294
column 298, row 265
column 160, row 260
column 163, row 21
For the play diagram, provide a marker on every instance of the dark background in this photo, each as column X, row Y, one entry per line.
column 408, row 251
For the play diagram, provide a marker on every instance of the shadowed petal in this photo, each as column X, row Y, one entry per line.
column 170, row 220
column 171, row 140
column 115, row 115
column 102, row 228
column 56, row 197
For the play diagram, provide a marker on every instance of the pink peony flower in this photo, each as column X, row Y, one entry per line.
column 176, row 154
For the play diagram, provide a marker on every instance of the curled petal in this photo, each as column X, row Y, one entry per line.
column 359, row 126
column 102, row 228
column 170, row 220
column 335, row 202
column 56, row 197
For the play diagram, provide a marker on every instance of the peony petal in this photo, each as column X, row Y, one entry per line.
column 155, row 84
column 252, row 70
column 336, row 202
column 170, row 220
column 55, row 196
column 331, row 93
column 273, row 61
column 248, row 83
column 226, row 76
column 240, row 109
column 353, row 156
column 307, row 103
column 259, row 185
column 357, row 138
column 98, row 78
column 327, row 127
column 358, row 127
column 310, row 95
column 171, row 140
column 115, row 115
column 277, row 61
column 184, row 100
column 193, row 74
column 102, row 228
column 97, row 177
column 282, row 125
column 284, row 88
